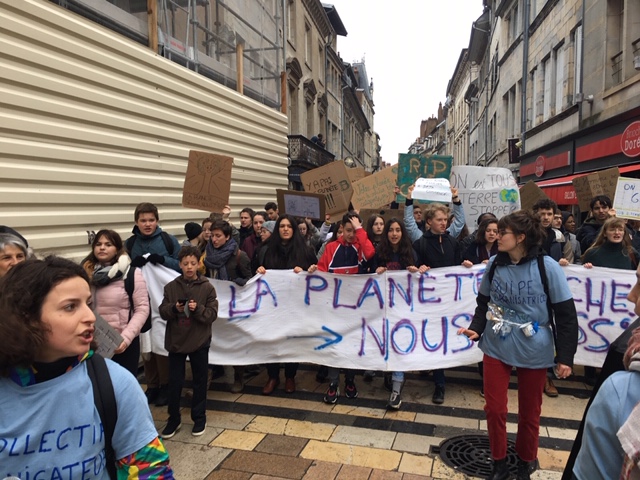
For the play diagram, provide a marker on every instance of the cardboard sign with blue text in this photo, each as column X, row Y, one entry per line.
column 627, row 199
column 485, row 189
column 412, row 167
column 301, row 204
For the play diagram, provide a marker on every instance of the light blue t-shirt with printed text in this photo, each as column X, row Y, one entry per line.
column 519, row 291
column 52, row 430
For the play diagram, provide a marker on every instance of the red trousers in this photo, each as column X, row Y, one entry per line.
column 530, row 388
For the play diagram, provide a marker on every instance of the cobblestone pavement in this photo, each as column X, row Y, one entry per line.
column 297, row 436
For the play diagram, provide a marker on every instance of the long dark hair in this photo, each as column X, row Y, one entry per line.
column 385, row 249
column 372, row 236
column 294, row 253
column 23, row 291
column 482, row 230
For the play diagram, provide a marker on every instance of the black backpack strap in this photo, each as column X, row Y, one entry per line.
column 492, row 270
column 128, row 245
column 129, row 285
column 168, row 243
column 545, row 286
column 105, row 401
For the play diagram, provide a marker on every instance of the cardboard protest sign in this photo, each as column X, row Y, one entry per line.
column 107, row 337
column 433, row 190
column 356, row 173
column 411, row 167
column 332, row 180
column 627, row 198
column 375, row 190
column 207, row 183
column 301, row 204
column 387, row 214
column 603, row 182
column 485, row 189
column 530, row 193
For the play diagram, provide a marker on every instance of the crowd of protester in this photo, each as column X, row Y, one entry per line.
column 532, row 244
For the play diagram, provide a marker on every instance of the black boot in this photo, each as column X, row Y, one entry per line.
column 163, row 396
column 525, row 469
column 500, row 470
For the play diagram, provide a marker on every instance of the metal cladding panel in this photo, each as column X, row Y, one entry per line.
column 91, row 124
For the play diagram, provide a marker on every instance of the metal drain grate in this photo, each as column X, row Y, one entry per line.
column 471, row 455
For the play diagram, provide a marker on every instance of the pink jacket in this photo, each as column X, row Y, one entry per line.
column 112, row 303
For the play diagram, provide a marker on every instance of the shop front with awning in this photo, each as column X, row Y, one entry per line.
column 554, row 167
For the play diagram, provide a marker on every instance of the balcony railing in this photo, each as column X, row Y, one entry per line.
column 303, row 150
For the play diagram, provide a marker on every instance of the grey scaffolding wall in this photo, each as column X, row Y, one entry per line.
column 238, row 43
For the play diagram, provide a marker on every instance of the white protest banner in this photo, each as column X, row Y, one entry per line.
column 627, row 199
column 396, row 321
column 432, row 189
column 485, row 189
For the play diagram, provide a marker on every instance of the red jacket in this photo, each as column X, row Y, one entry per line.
column 342, row 257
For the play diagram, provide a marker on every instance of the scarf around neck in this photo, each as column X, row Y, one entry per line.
column 105, row 275
column 216, row 258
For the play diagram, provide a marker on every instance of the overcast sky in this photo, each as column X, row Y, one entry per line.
column 411, row 48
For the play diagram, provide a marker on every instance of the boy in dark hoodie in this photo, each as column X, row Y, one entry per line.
column 435, row 249
column 189, row 306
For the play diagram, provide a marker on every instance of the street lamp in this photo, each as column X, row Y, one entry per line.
column 350, row 162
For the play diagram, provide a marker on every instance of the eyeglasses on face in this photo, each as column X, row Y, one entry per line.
column 502, row 233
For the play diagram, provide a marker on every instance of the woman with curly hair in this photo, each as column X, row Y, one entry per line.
column 286, row 249
column 395, row 252
column 612, row 247
column 47, row 391
column 107, row 267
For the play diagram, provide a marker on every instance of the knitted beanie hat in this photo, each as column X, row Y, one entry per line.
column 270, row 225
column 192, row 229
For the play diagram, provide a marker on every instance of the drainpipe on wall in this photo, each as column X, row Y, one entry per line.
column 581, row 86
column 285, row 36
column 525, row 75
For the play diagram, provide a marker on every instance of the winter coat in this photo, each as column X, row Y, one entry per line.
column 154, row 244
column 476, row 253
column 238, row 267
column 112, row 303
column 611, row 255
column 186, row 334
column 587, row 233
column 436, row 251
column 342, row 257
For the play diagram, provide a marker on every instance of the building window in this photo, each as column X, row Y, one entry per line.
column 321, row 62
column 308, row 53
column 514, row 23
column 577, row 60
column 615, row 26
column 559, row 79
column 535, row 92
column 291, row 21
column 548, row 88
